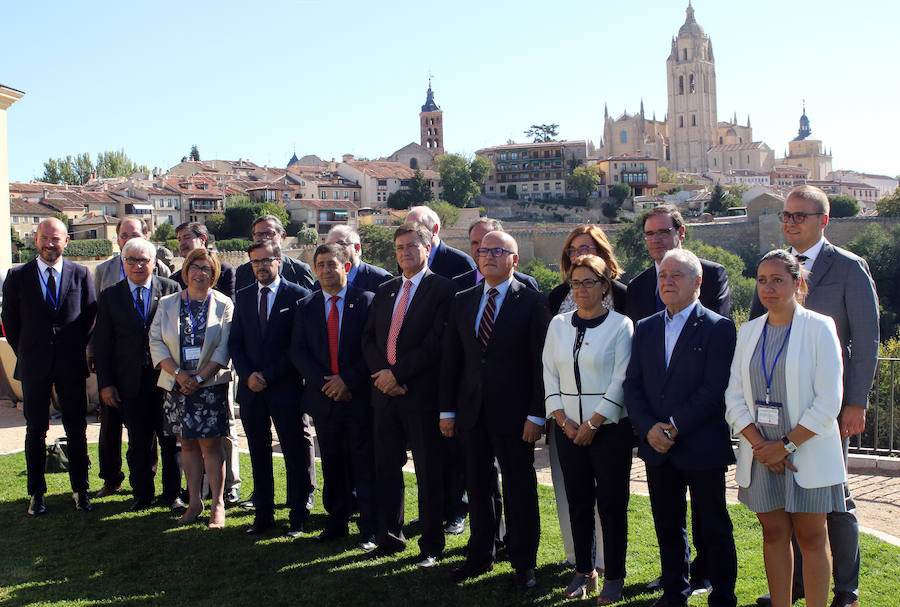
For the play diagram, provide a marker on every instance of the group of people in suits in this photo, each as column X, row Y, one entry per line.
column 464, row 363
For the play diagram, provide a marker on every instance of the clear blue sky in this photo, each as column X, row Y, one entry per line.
column 254, row 79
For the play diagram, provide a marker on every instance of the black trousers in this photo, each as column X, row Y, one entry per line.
column 455, row 502
column 395, row 427
column 257, row 417
column 109, row 445
column 143, row 417
column 516, row 459
column 348, row 465
column 668, row 500
column 598, row 474
column 36, row 407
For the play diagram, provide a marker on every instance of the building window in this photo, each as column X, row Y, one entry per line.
column 681, row 122
column 624, row 136
column 324, row 195
column 684, row 54
column 346, row 194
column 382, row 182
column 547, row 186
column 693, row 119
column 616, row 178
column 692, row 87
column 681, row 85
column 720, row 140
column 35, row 220
column 335, row 194
column 355, row 195
column 413, row 163
column 502, row 189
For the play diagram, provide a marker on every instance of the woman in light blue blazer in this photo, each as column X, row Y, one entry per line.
column 782, row 401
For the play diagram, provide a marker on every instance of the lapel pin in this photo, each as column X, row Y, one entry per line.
column 351, row 305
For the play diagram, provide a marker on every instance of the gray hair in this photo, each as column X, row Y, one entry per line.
column 278, row 225
column 139, row 245
column 686, row 258
column 429, row 217
column 493, row 225
column 344, row 231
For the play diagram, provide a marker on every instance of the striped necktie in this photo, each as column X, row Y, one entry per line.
column 487, row 319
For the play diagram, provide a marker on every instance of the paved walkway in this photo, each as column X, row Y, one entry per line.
column 877, row 496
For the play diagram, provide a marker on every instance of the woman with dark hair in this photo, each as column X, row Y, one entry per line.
column 585, row 356
column 782, row 401
column 189, row 344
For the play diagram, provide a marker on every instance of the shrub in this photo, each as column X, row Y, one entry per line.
column 172, row 245
column 307, row 236
column 90, row 247
column 233, row 244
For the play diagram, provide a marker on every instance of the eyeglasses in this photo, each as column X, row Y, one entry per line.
column 493, row 252
column 582, row 250
column 137, row 261
column 343, row 243
column 264, row 260
column 207, row 270
column 649, row 234
column 587, row 283
column 267, row 235
column 795, row 218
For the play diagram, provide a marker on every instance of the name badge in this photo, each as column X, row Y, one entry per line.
column 768, row 414
column 191, row 353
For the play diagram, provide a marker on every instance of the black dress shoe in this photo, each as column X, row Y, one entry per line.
column 332, row 534
column 844, row 599
column 700, row 586
column 259, row 527
column 36, row 506
column 796, row 594
column 247, row 504
column 455, row 527
column 470, row 570
column 82, row 502
column 296, row 529
column 107, row 490
column 525, row 579
column 383, row 550
column 663, row 602
column 138, row 505
column 655, row 585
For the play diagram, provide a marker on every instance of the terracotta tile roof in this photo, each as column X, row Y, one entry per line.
column 20, row 207
column 389, row 170
column 315, row 203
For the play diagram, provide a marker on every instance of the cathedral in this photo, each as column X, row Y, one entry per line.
column 690, row 138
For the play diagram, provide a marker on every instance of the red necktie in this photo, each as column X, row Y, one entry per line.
column 334, row 325
column 397, row 322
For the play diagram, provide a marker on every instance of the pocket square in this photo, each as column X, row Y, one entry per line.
column 283, row 310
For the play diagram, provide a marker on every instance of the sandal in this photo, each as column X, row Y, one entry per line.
column 581, row 585
column 611, row 592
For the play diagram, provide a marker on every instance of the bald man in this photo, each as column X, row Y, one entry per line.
column 49, row 306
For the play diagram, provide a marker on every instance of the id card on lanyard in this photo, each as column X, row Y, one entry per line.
column 768, row 412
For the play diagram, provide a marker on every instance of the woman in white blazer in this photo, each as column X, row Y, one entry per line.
column 782, row 402
column 189, row 344
column 585, row 356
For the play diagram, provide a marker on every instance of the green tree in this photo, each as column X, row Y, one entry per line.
column 742, row 287
column 164, row 231
column 843, row 206
column 307, row 235
column 62, row 170
column 545, row 277
column 238, row 219
column 399, row 200
column 215, row 223
column 447, row 213
column 62, row 217
column 664, row 175
column 736, row 194
column 584, row 180
column 717, row 203
column 273, row 208
column 378, row 246
column 881, row 249
column 620, row 192
column 17, row 243
column 117, row 164
column 631, row 250
column 195, row 153
column 419, row 190
column 889, row 206
column 461, row 178
column 542, row 132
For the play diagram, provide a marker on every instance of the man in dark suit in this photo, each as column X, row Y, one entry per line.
column 327, row 349
column 492, row 394
column 193, row 235
column 363, row 276
column 269, row 227
column 477, row 230
column 675, row 396
column 840, row 286
column 443, row 259
column 49, row 306
column 663, row 228
column 125, row 374
column 401, row 345
column 269, row 386
column 108, row 273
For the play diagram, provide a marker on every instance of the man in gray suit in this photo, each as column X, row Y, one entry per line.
column 107, row 274
column 840, row 286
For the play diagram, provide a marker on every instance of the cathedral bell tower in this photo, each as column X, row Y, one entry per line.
column 691, row 83
column 431, row 124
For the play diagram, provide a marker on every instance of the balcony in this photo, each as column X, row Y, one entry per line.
column 204, row 206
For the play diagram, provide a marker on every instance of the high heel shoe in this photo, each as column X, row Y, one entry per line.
column 581, row 585
column 190, row 516
column 611, row 592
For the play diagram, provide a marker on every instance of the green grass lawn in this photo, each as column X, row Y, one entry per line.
column 113, row 557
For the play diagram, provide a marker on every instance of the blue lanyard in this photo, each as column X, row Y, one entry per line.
column 122, row 266
column 193, row 326
column 766, row 376
column 53, row 297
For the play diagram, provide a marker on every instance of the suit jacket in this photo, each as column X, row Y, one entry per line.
column 225, row 284
column 310, row 354
column 419, row 341
column 839, row 282
column 121, row 338
column 292, row 270
column 450, row 262
column 46, row 340
column 502, row 386
column 268, row 353
column 110, row 271
column 165, row 337
column 812, row 372
column 467, row 280
column 691, row 390
column 369, row 277
column 715, row 294
column 619, row 294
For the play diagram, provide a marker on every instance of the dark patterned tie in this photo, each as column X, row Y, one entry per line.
column 263, row 309
column 802, row 259
column 50, row 297
column 487, row 319
column 139, row 301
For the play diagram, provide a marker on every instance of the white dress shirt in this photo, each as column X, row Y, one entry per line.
column 57, row 274
column 415, row 280
column 342, row 296
column 270, row 296
column 674, row 325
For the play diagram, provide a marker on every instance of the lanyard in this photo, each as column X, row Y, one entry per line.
column 193, row 326
column 122, row 267
column 53, row 296
column 766, row 375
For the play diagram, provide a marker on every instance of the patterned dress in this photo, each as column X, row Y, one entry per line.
column 203, row 414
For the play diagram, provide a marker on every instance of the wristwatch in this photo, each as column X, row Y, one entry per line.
column 789, row 445
column 592, row 426
column 199, row 379
column 177, row 371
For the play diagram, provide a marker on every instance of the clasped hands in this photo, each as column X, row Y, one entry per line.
column 772, row 455
column 658, row 439
column 581, row 435
column 186, row 380
column 387, row 383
